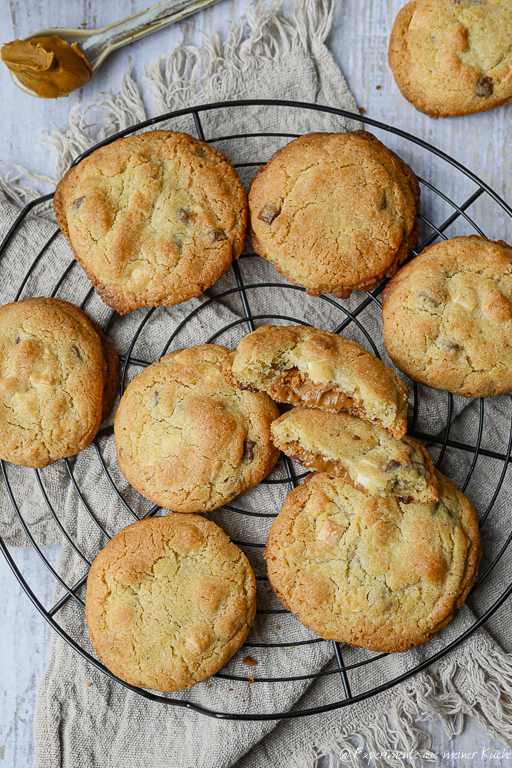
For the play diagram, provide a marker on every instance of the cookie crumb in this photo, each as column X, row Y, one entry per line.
column 362, row 111
column 89, row 685
column 249, row 662
column 250, row 680
column 278, row 626
column 378, row 87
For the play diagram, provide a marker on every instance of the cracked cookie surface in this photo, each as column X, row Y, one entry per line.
column 153, row 219
column 188, row 440
column 169, row 601
column 369, row 571
column 453, row 57
column 362, row 454
column 306, row 366
column 448, row 317
column 58, row 380
column 334, row 211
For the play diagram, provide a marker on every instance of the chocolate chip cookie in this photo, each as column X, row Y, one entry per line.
column 453, row 57
column 448, row 317
column 188, row 440
column 369, row 571
column 307, row 366
column 362, row 454
column 334, row 212
column 58, row 380
column 169, row 601
column 153, row 219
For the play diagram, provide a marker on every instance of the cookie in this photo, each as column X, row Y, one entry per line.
column 169, row 601
column 58, row 380
column 188, row 440
column 153, row 219
column 334, row 212
column 448, row 317
column 307, row 366
column 453, row 57
column 362, row 454
column 373, row 572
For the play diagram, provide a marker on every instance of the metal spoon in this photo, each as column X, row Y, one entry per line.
column 97, row 44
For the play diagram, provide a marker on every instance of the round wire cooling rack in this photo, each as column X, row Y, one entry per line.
column 350, row 316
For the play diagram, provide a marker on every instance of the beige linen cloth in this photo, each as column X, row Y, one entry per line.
column 85, row 720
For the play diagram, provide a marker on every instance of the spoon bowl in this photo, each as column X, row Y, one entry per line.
column 97, row 44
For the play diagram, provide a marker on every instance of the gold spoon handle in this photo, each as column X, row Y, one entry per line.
column 107, row 39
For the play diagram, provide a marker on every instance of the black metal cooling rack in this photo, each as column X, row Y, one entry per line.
column 342, row 670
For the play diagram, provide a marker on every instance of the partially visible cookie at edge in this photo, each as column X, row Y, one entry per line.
column 363, row 454
column 169, row 601
column 453, row 57
column 369, row 571
column 334, row 211
column 311, row 367
column 187, row 439
column 448, row 317
column 58, row 381
column 154, row 219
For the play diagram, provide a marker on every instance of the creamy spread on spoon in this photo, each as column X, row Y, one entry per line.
column 50, row 66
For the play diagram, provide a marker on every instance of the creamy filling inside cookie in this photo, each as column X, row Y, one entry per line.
column 376, row 475
column 362, row 454
column 292, row 387
column 306, row 366
column 315, row 461
column 313, row 397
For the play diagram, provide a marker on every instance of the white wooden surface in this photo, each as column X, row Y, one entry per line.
column 358, row 41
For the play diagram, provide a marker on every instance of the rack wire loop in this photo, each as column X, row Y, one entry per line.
column 284, row 476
